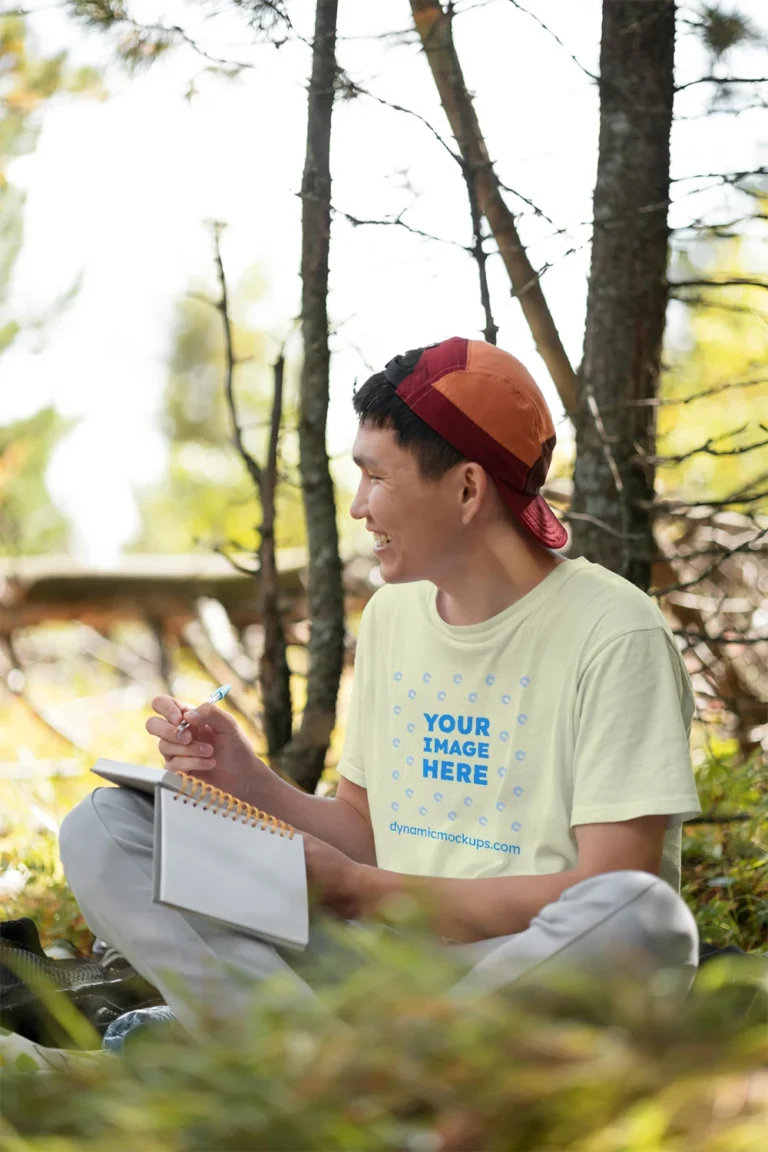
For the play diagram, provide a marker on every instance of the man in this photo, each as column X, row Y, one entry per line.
column 516, row 756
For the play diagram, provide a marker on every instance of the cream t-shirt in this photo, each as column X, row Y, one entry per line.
column 483, row 746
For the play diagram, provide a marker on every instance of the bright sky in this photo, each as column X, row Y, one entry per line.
column 119, row 193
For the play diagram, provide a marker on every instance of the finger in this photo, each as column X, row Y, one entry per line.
column 156, row 726
column 170, row 708
column 214, row 717
column 190, row 767
column 169, row 749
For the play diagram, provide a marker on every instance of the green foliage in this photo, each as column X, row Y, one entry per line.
column 207, row 495
column 722, row 29
column 725, row 343
column 385, row 1059
column 30, row 523
column 725, row 864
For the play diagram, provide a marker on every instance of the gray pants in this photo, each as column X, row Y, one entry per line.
column 106, row 848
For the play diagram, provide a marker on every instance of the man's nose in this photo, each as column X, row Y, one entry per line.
column 357, row 507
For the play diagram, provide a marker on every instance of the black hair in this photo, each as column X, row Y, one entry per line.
column 378, row 406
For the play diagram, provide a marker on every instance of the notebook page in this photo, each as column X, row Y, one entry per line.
column 249, row 878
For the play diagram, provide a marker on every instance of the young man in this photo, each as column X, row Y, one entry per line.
column 516, row 754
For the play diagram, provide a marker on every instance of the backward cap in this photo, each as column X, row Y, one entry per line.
column 486, row 404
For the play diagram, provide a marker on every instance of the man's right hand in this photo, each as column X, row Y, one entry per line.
column 214, row 748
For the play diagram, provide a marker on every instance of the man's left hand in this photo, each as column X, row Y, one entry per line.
column 335, row 881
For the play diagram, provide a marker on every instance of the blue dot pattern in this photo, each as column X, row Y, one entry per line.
column 502, row 771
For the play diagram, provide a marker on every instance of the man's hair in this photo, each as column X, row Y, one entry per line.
column 378, row 406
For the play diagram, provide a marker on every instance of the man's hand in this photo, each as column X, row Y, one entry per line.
column 214, row 748
column 337, row 883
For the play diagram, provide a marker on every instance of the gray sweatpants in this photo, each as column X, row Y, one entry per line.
column 107, row 844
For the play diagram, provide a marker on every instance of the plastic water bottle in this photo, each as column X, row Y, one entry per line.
column 114, row 1038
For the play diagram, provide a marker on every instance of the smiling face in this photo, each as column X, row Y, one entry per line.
column 425, row 521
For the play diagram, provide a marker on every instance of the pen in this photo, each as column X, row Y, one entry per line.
column 214, row 698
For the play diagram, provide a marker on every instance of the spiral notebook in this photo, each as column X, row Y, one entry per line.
column 219, row 857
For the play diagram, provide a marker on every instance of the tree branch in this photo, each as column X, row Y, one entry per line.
column 744, row 547
column 556, row 38
column 398, row 222
column 733, row 282
column 707, row 449
column 722, row 80
column 434, row 28
column 655, row 402
column 223, row 307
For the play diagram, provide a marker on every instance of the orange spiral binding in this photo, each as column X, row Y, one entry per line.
column 228, row 805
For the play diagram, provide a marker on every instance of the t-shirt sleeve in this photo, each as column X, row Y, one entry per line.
column 633, row 718
column 352, row 763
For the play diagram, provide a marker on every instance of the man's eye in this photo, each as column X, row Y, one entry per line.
column 373, row 477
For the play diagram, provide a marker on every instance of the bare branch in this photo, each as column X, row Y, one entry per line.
column 722, row 80
column 223, row 308
column 434, row 28
column 733, row 282
column 358, row 91
column 708, row 450
column 705, row 638
column 556, row 38
column 744, row 547
column 398, row 222
column 602, row 524
column 681, row 507
column 655, row 402
column 721, row 177
column 231, row 560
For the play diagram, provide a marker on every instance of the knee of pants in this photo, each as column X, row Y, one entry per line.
column 89, row 834
column 648, row 911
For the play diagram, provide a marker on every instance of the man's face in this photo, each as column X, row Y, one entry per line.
column 421, row 518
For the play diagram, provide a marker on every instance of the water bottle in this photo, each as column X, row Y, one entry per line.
column 115, row 1036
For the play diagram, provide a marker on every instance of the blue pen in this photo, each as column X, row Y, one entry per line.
column 214, row 698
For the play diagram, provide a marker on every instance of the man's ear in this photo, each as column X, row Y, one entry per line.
column 474, row 484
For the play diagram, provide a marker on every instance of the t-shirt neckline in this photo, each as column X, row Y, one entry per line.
column 514, row 614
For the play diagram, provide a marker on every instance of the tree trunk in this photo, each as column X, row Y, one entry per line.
column 435, row 31
column 274, row 673
column 627, row 297
column 304, row 757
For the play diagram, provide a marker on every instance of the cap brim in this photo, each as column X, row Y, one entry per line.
column 535, row 515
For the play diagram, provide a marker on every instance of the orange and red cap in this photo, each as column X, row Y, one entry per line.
column 486, row 404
